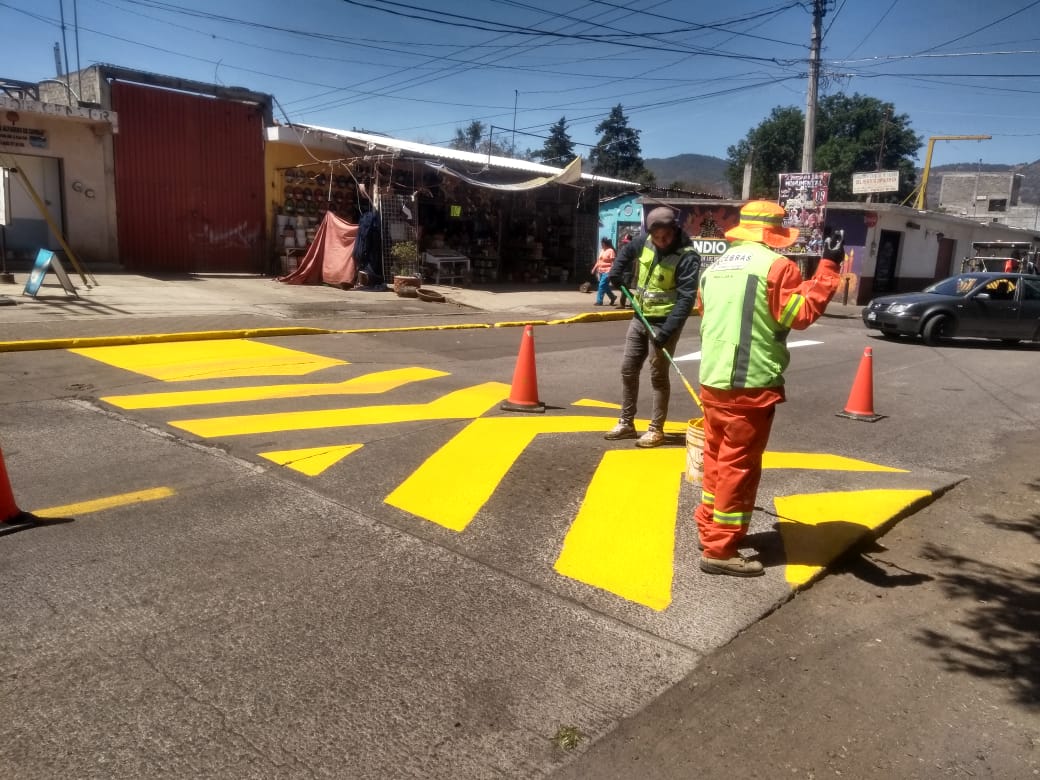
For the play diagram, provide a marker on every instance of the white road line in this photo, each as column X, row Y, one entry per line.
column 790, row 345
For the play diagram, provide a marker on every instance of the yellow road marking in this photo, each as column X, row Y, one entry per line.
column 182, row 361
column 457, row 480
column 311, row 461
column 369, row 384
column 625, row 552
column 817, row 527
column 821, row 462
column 109, row 502
column 595, row 403
column 468, row 402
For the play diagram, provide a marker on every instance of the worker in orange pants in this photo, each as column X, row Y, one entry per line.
column 749, row 300
column 737, row 441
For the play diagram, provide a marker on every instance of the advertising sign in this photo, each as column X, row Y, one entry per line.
column 46, row 260
column 709, row 248
column 803, row 197
column 879, row 181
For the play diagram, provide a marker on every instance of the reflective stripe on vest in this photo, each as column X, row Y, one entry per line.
column 742, row 346
column 655, row 289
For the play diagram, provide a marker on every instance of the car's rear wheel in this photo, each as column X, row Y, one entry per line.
column 937, row 329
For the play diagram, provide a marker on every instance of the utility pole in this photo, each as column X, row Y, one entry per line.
column 809, row 140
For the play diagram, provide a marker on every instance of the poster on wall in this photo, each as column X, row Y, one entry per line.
column 803, row 196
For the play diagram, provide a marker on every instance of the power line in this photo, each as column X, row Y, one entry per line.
column 980, row 29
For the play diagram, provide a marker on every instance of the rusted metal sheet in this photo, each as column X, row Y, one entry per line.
column 189, row 182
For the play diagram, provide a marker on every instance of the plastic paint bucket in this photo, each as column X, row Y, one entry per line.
column 695, row 451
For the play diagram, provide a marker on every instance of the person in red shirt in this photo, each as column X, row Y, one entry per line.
column 749, row 300
column 602, row 271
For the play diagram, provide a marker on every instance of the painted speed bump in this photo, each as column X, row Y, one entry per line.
column 610, row 547
column 311, row 461
column 816, row 528
column 184, row 361
column 366, row 384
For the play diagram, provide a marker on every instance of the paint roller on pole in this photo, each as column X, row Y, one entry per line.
column 695, row 427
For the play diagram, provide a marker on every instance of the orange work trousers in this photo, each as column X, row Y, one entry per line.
column 734, row 440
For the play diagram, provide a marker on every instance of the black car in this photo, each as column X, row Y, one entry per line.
column 1003, row 306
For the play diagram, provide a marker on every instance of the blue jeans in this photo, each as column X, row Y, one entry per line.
column 604, row 289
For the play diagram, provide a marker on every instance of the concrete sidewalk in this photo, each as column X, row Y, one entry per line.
column 120, row 304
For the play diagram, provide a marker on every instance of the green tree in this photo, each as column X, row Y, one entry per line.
column 617, row 154
column 854, row 134
column 774, row 147
column 859, row 134
column 558, row 149
column 468, row 139
column 471, row 139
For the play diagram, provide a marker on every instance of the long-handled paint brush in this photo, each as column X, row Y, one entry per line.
column 639, row 313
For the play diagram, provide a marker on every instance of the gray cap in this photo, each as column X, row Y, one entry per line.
column 662, row 215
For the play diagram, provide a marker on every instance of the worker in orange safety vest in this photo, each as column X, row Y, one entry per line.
column 749, row 300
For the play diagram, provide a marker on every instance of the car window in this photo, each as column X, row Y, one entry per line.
column 1000, row 289
column 1031, row 289
column 955, row 285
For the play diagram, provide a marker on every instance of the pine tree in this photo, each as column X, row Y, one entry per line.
column 468, row 139
column 559, row 148
column 618, row 153
column 471, row 139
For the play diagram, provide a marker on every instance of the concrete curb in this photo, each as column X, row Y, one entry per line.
column 75, row 342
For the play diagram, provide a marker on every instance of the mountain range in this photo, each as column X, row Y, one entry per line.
column 707, row 174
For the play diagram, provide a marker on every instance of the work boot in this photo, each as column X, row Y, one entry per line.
column 622, row 430
column 651, row 438
column 737, row 566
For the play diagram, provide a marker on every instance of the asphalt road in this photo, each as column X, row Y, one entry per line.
column 270, row 577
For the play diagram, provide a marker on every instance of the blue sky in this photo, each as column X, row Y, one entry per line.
column 692, row 76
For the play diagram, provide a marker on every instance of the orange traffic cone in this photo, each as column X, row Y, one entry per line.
column 523, row 395
column 9, row 511
column 860, row 405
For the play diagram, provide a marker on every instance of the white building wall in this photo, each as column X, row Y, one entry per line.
column 86, row 190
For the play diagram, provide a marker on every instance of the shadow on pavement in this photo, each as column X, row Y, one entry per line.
column 26, row 521
column 997, row 638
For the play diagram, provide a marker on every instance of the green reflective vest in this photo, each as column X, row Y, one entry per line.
column 655, row 280
column 742, row 345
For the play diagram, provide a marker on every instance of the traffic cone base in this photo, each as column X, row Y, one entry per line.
column 523, row 395
column 860, row 405
column 9, row 511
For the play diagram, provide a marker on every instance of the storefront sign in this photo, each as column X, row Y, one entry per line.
column 35, row 107
column 14, row 137
column 710, row 247
column 880, row 181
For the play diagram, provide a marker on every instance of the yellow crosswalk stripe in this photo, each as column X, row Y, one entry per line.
column 614, row 548
column 457, row 480
column 817, row 527
column 183, row 361
column 368, row 384
column 311, row 461
column 596, row 404
column 461, row 404
column 821, row 462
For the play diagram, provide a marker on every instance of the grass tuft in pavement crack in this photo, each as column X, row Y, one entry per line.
column 567, row 737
